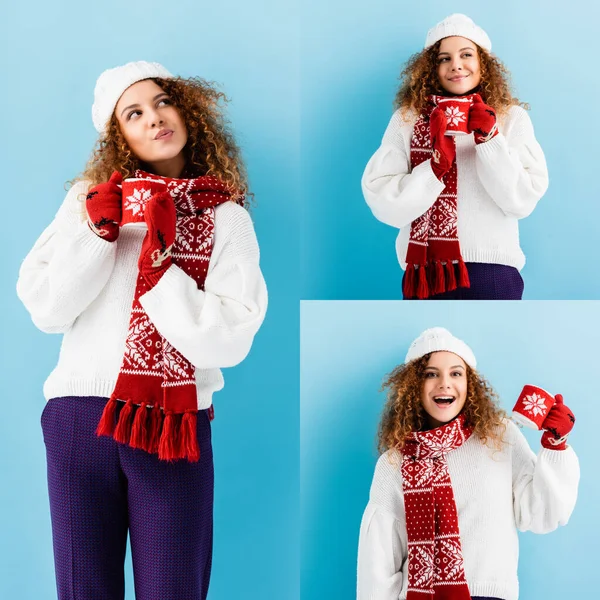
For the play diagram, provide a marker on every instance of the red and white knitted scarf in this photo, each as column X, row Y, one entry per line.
column 434, row 262
column 156, row 382
column 435, row 560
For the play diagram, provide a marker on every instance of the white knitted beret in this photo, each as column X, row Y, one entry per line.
column 461, row 25
column 113, row 82
column 436, row 339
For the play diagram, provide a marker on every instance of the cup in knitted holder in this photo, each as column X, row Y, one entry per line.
column 532, row 406
column 136, row 193
column 456, row 109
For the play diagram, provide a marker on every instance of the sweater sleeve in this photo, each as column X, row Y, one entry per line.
column 214, row 327
column 66, row 269
column 544, row 487
column 512, row 167
column 396, row 194
column 382, row 547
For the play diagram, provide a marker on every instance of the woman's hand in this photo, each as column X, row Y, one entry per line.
column 161, row 218
column 482, row 121
column 103, row 206
column 557, row 425
column 444, row 148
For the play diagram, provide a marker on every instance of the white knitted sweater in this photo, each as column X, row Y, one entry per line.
column 499, row 182
column 496, row 493
column 74, row 282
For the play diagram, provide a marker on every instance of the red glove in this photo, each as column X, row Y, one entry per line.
column 557, row 425
column 444, row 148
column 103, row 205
column 161, row 218
column 482, row 120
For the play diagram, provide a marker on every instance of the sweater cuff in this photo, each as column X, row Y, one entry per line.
column 489, row 150
column 91, row 243
column 556, row 457
column 430, row 180
column 170, row 280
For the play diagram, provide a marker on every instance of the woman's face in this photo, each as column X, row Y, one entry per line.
column 444, row 387
column 458, row 65
column 152, row 127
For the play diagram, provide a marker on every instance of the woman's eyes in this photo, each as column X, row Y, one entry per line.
column 166, row 101
column 431, row 374
column 446, row 58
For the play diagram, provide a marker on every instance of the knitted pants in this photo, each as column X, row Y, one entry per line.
column 99, row 490
column 488, row 282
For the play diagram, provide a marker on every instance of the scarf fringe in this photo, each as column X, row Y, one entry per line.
column 422, row 286
column 408, row 289
column 450, row 277
column 422, row 281
column 463, row 274
column 155, row 425
column 439, row 286
column 189, row 443
column 173, row 436
column 166, row 446
column 123, row 429
column 139, row 433
column 107, row 422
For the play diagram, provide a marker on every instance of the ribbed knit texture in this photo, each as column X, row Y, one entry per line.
column 75, row 283
column 499, row 182
column 99, row 490
column 496, row 492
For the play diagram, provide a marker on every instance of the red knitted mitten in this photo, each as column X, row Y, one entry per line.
column 557, row 425
column 482, row 120
column 444, row 148
column 161, row 218
column 103, row 206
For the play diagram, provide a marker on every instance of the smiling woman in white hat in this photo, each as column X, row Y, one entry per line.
column 151, row 271
column 454, row 482
column 457, row 200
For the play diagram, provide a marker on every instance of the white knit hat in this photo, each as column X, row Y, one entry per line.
column 113, row 82
column 461, row 25
column 437, row 339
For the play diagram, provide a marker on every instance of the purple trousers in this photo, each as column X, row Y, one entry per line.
column 488, row 282
column 100, row 490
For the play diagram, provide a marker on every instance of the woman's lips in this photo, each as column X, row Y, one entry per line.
column 456, row 79
column 444, row 403
column 165, row 136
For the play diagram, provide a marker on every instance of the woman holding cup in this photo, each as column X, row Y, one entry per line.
column 151, row 271
column 456, row 479
column 458, row 166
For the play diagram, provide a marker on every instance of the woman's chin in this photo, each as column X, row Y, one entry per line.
column 462, row 91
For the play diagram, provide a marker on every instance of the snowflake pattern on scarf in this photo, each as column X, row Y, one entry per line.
column 434, row 551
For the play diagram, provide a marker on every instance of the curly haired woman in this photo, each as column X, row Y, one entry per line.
column 454, row 482
column 155, row 283
column 457, row 200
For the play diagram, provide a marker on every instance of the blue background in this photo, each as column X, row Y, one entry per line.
column 351, row 56
column 52, row 55
column 346, row 350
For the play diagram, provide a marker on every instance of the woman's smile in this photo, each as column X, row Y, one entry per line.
column 444, row 387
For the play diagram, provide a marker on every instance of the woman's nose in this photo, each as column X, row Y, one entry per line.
column 444, row 382
column 154, row 118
